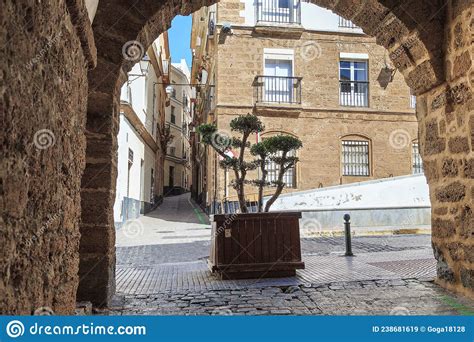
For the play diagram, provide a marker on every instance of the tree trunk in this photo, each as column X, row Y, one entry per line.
column 261, row 185
column 239, row 188
column 280, row 185
column 274, row 197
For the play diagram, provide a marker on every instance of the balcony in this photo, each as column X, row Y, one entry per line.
column 354, row 93
column 277, row 94
column 344, row 23
column 278, row 11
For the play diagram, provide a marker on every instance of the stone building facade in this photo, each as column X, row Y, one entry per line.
column 306, row 72
column 177, row 167
column 140, row 161
column 57, row 196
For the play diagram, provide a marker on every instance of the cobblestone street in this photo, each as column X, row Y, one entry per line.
column 162, row 270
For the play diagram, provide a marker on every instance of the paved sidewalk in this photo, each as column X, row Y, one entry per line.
column 161, row 269
column 395, row 297
column 176, row 220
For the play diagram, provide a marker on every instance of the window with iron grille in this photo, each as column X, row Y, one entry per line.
column 355, row 158
column 278, row 11
column 289, row 178
column 417, row 165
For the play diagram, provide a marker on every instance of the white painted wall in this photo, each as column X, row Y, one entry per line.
column 312, row 17
column 138, row 92
column 405, row 191
column 134, row 92
column 128, row 138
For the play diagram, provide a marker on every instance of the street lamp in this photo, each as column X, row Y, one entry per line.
column 169, row 90
column 144, row 62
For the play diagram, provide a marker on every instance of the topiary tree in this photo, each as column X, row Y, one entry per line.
column 280, row 150
column 276, row 148
column 222, row 142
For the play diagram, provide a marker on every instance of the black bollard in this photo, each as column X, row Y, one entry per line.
column 347, row 228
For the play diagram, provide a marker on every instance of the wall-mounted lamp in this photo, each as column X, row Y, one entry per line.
column 144, row 63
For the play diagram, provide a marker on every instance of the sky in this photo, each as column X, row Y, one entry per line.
column 179, row 36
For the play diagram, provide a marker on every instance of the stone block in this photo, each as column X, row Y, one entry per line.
column 453, row 192
column 458, row 145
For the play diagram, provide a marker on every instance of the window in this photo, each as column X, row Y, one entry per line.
column 354, row 85
column 279, row 11
column 412, row 99
column 185, row 101
column 355, row 158
column 289, row 178
column 278, row 80
column 173, row 115
column 172, row 150
column 417, row 163
column 171, row 176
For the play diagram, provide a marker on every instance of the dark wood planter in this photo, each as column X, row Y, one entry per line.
column 256, row 245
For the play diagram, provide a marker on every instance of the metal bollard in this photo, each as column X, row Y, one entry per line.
column 347, row 228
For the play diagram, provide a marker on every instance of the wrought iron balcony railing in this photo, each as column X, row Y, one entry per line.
column 278, row 11
column 344, row 23
column 277, row 89
column 354, row 93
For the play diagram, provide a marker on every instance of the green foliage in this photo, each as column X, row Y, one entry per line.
column 207, row 131
column 260, row 149
column 247, row 124
column 278, row 149
column 283, row 143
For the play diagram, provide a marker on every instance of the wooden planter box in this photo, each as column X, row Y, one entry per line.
column 255, row 245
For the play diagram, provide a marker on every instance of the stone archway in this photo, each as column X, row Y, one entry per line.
column 416, row 33
column 429, row 41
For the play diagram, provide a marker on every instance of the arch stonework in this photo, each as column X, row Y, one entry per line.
column 429, row 41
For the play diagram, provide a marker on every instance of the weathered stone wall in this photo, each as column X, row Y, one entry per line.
column 121, row 42
column 447, row 129
column 40, row 186
column 240, row 57
column 389, row 122
column 44, row 93
column 321, row 134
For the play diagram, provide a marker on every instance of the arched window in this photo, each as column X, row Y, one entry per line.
column 355, row 156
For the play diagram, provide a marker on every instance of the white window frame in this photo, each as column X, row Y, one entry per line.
column 355, row 58
column 280, row 55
